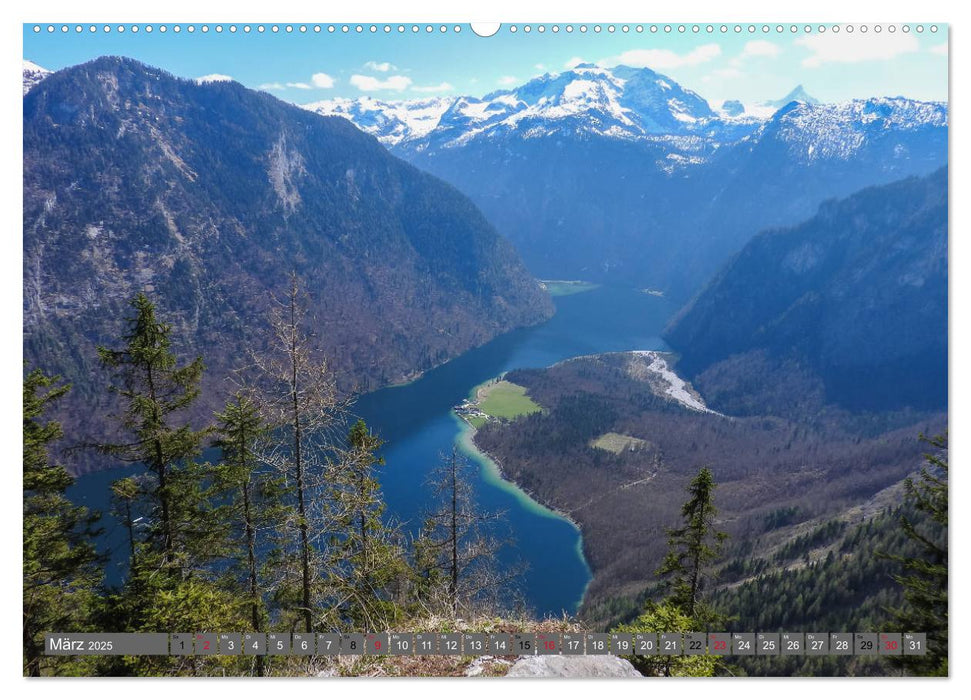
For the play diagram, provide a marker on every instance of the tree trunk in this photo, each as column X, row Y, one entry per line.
column 298, row 458
column 251, row 556
column 160, row 471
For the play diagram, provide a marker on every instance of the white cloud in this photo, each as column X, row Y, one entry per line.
column 540, row 66
column 761, row 47
column 508, row 80
column 322, row 80
column 368, row 83
column 382, row 67
column 727, row 73
column 664, row 58
column 573, row 62
column 214, row 78
column 281, row 86
column 441, row 87
column 844, row 47
column 940, row 49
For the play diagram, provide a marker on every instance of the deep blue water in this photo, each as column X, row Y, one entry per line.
column 418, row 425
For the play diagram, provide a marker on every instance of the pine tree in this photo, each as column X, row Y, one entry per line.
column 365, row 562
column 61, row 567
column 124, row 495
column 254, row 503
column 692, row 548
column 154, row 389
column 924, row 578
column 173, row 580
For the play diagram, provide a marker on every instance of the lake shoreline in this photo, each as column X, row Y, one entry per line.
column 492, row 467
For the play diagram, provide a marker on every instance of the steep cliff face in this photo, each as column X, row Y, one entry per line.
column 855, row 297
column 208, row 196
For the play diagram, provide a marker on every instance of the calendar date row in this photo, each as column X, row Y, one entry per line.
column 496, row 644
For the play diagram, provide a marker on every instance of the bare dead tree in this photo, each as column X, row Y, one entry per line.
column 300, row 401
column 456, row 554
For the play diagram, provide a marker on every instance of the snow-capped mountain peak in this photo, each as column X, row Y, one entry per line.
column 623, row 102
column 797, row 94
column 33, row 74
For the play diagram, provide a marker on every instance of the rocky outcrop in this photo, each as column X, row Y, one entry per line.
column 572, row 667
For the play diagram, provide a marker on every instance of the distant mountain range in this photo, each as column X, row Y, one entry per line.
column 207, row 196
column 622, row 175
column 621, row 103
column 852, row 302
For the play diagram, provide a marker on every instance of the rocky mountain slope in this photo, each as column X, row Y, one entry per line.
column 207, row 196
column 855, row 298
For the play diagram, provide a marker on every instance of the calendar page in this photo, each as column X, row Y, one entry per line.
column 525, row 349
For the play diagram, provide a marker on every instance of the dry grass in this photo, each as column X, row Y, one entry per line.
column 619, row 443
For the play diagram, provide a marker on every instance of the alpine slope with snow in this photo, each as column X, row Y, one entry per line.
column 33, row 74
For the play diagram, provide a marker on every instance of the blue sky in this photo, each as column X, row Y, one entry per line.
column 305, row 67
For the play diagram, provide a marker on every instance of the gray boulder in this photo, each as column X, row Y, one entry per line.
column 572, row 667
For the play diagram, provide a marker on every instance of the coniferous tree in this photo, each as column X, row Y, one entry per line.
column 254, row 502
column 154, row 389
column 173, row 581
column 61, row 566
column 365, row 562
column 124, row 495
column 692, row 547
column 925, row 576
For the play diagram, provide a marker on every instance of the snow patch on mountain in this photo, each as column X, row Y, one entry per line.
column 765, row 109
column 33, row 74
column 389, row 121
column 646, row 363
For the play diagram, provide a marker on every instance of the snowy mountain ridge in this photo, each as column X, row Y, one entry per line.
column 621, row 102
column 839, row 130
column 628, row 104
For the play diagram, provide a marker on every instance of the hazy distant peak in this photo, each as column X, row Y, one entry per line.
column 797, row 94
